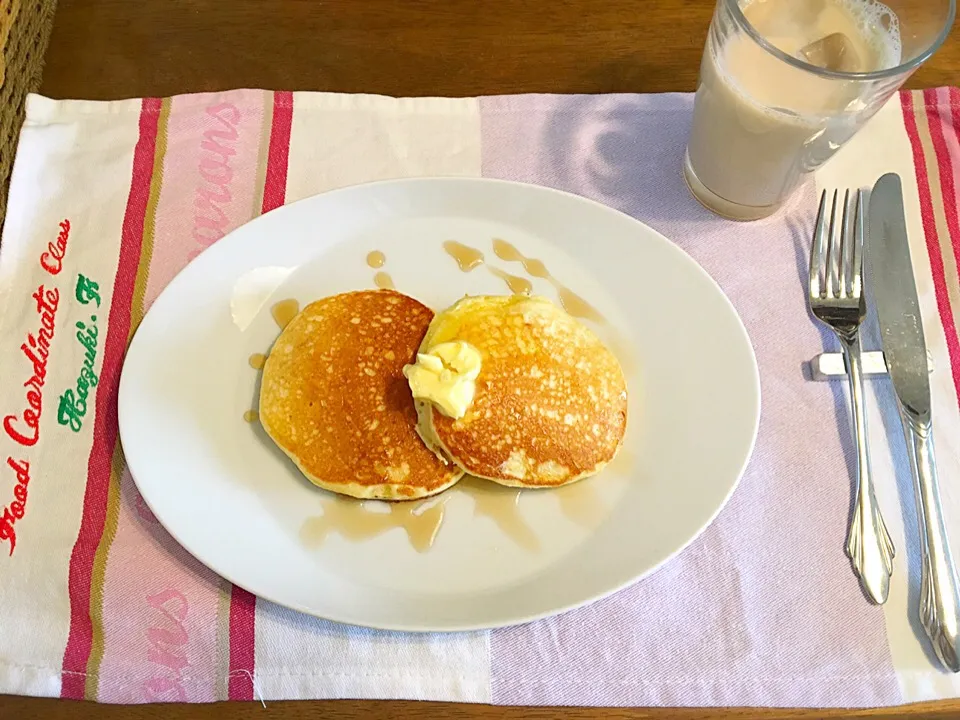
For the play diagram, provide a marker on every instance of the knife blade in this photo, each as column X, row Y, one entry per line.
column 895, row 297
column 901, row 331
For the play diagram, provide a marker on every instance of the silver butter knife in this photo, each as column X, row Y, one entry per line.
column 895, row 296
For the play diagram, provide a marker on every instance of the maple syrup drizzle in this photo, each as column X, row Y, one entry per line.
column 467, row 257
column 580, row 503
column 376, row 259
column 517, row 285
column 571, row 302
column 500, row 504
column 624, row 353
column 576, row 305
column 285, row 311
column 383, row 281
column 349, row 519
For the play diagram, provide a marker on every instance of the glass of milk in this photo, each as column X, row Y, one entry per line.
column 784, row 83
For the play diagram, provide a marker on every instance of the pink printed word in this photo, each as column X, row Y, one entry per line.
column 167, row 651
column 212, row 197
column 145, row 513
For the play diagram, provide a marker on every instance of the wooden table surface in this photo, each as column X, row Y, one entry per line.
column 106, row 49
column 121, row 48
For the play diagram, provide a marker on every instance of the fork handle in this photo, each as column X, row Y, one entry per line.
column 868, row 542
column 939, row 596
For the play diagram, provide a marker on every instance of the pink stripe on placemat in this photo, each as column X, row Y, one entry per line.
column 80, row 638
column 242, row 603
column 161, row 608
column 932, row 238
column 243, row 610
column 947, row 171
column 948, row 192
column 275, row 185
column 953, row 140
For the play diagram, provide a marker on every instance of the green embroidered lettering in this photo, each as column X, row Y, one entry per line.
column 73, row 402
column 69, row 413
column 87, row 290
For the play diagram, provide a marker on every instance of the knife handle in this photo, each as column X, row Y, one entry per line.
column 939, row 595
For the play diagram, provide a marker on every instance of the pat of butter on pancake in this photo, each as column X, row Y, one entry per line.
column 446, row 376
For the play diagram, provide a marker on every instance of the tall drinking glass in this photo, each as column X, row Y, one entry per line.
column 784, row 83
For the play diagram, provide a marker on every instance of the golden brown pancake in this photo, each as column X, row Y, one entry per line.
column 334, row 399
column 550, row 405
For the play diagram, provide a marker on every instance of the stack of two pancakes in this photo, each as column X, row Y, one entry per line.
column 549, row 406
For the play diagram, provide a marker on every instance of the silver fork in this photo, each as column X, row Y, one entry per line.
column 836, row 299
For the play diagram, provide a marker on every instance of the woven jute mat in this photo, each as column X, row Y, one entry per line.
column 24, row 31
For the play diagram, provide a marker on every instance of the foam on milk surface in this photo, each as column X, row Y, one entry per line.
column 870, row 26
column 773, row 86
column 880, row 25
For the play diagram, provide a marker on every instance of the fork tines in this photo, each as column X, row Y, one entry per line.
column 836, row 260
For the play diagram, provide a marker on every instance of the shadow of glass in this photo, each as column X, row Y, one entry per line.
column 621, row 150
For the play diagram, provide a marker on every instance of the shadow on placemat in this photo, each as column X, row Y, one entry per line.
column 24, row 31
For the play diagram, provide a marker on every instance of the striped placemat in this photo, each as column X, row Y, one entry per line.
column 109, row 200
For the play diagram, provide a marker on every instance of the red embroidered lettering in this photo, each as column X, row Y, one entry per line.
column 21, row 468
column 27, row 440
column 52, row 259
column 39, row 366
column 42, row 346
column 32, row 419
column 36, row 349
column 16, row 509
column 6, row 529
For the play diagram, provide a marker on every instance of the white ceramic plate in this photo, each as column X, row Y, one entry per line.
column 228, row 496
